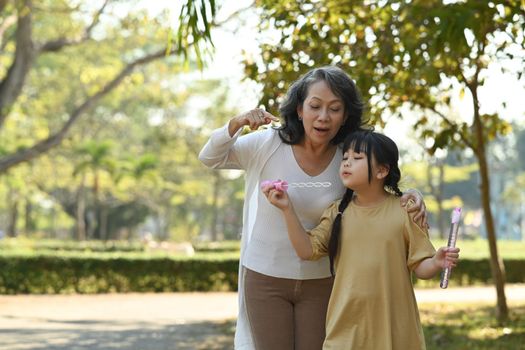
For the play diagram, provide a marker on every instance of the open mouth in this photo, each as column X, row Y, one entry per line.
column 322, row 130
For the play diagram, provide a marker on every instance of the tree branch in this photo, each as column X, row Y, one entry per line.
column 452, row 125
column 11, row 85
column 233, row 15
column 55, row 139
column 58, row 44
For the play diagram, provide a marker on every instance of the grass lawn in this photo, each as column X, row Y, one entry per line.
column 479, row 248
column 470, row 249
column 472, row 326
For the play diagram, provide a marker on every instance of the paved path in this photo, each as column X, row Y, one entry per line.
column 151, row 321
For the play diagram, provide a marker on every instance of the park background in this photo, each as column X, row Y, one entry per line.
column 104, row 106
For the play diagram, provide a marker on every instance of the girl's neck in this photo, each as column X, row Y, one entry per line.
column 370, row 197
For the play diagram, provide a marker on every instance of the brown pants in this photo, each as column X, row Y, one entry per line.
column 286, row 314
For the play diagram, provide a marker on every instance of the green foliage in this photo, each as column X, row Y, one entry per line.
column 221, row 246
column 477, row 272
column 50, row 245
column 54, row 266
column 134, row 154
column 70, row 271
column 478, row 249
column 399, row 53
column 194, row 27
column 60, row 273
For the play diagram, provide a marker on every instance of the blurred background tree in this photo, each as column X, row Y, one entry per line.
column 94, row 128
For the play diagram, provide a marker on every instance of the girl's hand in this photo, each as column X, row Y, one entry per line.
column 278, row 198
column 447, row 257
column 254, row 118
column 420, row 217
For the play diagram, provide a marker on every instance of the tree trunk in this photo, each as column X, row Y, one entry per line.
column 29, row 222
column 11, row 86
column 96, row 207
column 215, row 206
column 80, row 224
column 13, row 217
column 441, row 211
column 103, row 223
column 496, row 263
column 436, row 189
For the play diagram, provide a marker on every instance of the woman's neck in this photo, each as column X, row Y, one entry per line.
column 316, row 150
column 313, row 160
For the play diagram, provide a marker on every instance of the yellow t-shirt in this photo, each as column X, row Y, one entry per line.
column 373, row 305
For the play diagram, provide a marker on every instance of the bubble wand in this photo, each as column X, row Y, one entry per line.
column 452, row 238
column 282, row 185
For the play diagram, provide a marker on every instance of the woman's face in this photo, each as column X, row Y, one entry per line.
column 322, row 113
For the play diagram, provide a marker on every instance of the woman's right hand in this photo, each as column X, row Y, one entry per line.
column 253, row 118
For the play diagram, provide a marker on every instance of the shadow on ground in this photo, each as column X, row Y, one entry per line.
column 455, row 327
column 97, row 335
column 472, row 327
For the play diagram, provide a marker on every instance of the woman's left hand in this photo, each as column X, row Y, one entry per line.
column 419, row 206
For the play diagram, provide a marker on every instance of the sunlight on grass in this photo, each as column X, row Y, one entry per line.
column 472, row 326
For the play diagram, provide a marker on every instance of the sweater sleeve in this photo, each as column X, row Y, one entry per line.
column 223, row 151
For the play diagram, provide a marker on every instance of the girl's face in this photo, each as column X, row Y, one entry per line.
column 322, row 113
column 354, row 169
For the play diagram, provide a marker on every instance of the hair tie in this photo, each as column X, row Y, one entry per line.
column 340, row 213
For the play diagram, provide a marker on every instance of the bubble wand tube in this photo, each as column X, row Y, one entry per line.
column 452, row 238
column 282, row 185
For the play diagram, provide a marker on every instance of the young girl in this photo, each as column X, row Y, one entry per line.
column 373, row 245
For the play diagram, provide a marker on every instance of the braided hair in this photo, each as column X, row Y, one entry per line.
column 385, row 152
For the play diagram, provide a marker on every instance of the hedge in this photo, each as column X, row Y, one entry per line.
column 61, row 274
column 66, row 274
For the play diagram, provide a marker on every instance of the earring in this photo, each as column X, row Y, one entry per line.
column 300, row 118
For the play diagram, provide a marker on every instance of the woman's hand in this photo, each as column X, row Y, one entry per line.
column 253, row 118
column 419, row 206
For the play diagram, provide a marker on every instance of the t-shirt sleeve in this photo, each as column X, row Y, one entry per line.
column 419, row 245
column 320, row 235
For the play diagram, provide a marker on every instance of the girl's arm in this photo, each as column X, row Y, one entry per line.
column 444, row 257
column 296, row 232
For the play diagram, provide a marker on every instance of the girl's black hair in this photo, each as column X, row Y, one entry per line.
column 292, row 131
column 385, row 151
